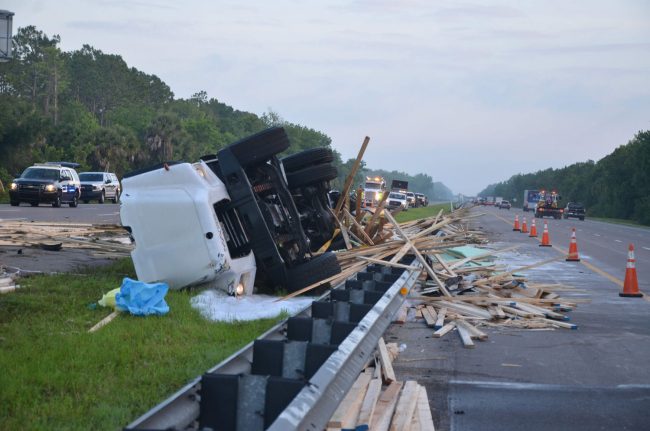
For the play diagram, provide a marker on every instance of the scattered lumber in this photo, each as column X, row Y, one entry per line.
column 112, row 240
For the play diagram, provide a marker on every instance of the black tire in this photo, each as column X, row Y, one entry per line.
column 260, row 147
column 86, row 201
column 34, row 204
column 102, row 198
column 311, row 175
column 74, row 202
column 116, row 198
column 57, row 202
column 582, row 219
column 312, row 271
column 303, row 159
column 14, row 203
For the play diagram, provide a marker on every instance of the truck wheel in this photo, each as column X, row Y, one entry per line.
column 318, row 268
column 261, row 146
column 34, row 204
column 303, row 159
column 102, row 198
column 14, row 203
column 311, row 175
column 116, row 198
column 582, row 219
column 57, row 202
column 74, row 202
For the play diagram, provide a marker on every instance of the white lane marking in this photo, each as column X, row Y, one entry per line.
column 8, row 211
column 596, row 234
column 110, row 214
column 540, row 386
column 618, row 240
column 13, row 219
column 646, row 248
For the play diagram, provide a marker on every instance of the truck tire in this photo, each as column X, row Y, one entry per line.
column 14, row 203
column 102, row 198
column 312, row 271
column 303, row 159
column 260, row 147
column 311, row 175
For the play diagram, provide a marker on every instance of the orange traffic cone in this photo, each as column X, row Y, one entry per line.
column 546, row 242
column 573, row 248
column 516, row 226
column 533, row 230
column 631, row 285
column 524, row 226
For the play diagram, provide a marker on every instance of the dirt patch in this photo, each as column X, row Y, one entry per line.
column 30, row 260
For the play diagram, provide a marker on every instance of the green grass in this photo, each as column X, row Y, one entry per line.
column 55, row 375
column 422, row 212
column 4, row 197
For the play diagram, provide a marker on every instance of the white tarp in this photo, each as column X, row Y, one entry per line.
column 216, row 305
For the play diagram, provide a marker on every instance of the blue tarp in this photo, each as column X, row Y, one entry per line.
column 142, row 299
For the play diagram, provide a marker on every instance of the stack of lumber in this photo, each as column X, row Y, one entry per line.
column 101, row 240
column 378, row 401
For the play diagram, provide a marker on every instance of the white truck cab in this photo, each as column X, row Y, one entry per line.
column 170, row 213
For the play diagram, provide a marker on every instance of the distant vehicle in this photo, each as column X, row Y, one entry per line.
column 397, row 200
column 497, row 201
column 46, row 183
column 531, row 197
column 575, row 210
column 373, row 190
column 99, row 186
column 399, row 186
column 548, row 205
column 504, row 204
column 489, row 200
column 422, row 199
column 410, row 197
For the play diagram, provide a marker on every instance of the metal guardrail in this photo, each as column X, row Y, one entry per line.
column 320, row 351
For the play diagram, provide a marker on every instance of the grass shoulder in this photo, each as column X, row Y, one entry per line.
column 58, row 376
column 422, row 212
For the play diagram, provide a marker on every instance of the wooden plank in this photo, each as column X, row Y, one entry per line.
column 347, row 412
column 442, row 331
column 344, row 231
column 350, row 178
column 360, row 228
column 369, row 403
column 429, row 317
column 405, row 407
column 386, row 363
column 385, row 407
column 387, row 263
column 474, row 332
column 465, row 336
column 423, row 411
column 105, row 321
column 441, row 318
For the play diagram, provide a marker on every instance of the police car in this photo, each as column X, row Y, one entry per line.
column 55, row 183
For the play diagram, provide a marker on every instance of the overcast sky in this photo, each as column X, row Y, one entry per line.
column 467, row 92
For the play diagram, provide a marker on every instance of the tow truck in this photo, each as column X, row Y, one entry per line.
column 373, row 190
column 548, row 206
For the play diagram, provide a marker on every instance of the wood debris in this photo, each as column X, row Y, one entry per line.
column 376, row 402
column 110, row 241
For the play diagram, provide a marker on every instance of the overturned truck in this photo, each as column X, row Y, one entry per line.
column 230, row 218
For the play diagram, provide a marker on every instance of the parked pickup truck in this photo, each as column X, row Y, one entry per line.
column 575, row 210
column 228, row 220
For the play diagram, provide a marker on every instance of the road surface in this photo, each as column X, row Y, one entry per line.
column 108, row 213
column 594, row 378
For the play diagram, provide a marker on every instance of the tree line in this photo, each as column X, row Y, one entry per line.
column 90, row 107
column 617, row 186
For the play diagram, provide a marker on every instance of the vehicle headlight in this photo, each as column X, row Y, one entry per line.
column 13, row 186
column 50, row 188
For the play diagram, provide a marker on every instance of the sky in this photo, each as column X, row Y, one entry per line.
column 468, row 92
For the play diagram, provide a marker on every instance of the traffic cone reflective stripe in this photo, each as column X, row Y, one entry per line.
column 533, row 230
column 524, row 226
column 631, row 284
column 516, row 226
column 573, row 248
column 546, row 242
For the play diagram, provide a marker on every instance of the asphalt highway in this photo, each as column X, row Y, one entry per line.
column 593, row 378
column 108, row 213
